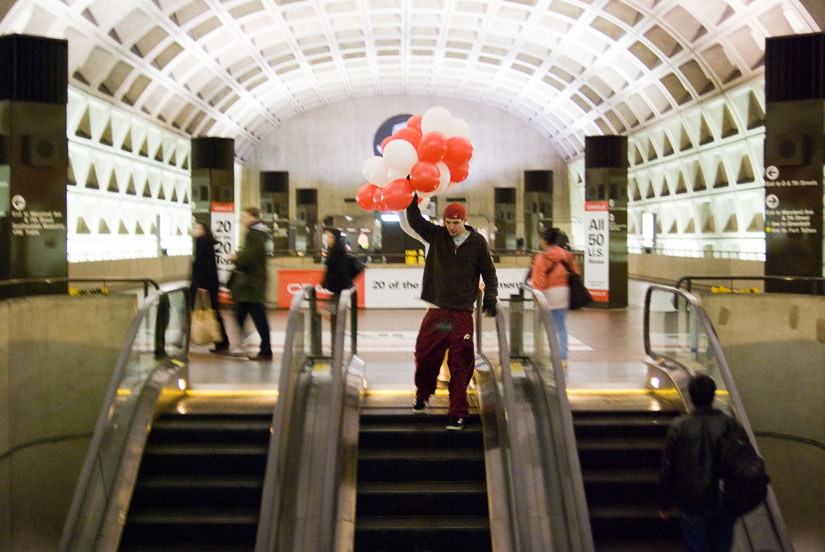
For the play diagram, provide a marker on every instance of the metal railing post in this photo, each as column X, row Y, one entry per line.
column 354, row 323
column 516, row 325
column 314, row 325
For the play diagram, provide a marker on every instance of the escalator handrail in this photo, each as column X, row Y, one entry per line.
column 730, row 386
column 99, row 433
column 577, row 482
column 330, row 484
column 271, row 498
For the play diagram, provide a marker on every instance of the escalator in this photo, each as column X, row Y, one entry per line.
column 420, row 487
column 201, row 477
column 620, row 452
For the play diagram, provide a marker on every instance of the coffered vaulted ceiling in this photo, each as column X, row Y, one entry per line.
column 571, row 68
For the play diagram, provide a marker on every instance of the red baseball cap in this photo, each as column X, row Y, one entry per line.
column 455, row 211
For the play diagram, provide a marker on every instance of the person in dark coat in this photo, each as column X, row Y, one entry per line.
column 205, row 276
column 457, row 257
column 249, row 279
column 342, row 268
column 689, row 475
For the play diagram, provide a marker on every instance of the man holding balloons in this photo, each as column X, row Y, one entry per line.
column 457, row 256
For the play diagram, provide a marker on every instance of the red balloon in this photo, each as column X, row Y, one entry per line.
column 384, row 143
column 376, row 197
column 411, row 135
column 425, row 177
column 432, row 147
column 459, row 172
column 397, row 194
column 459, row 150
column 365, row 196
column 415, row 122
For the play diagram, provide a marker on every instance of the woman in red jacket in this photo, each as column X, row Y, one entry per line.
column 549, row 272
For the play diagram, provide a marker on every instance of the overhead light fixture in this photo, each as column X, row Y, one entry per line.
column 390, row 217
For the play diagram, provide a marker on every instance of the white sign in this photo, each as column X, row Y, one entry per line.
column 597, row 250
column 223, row 228
column 400, row 288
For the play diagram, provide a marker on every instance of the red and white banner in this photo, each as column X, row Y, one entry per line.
column 597, row 250
column 223, row 228
column 291, row 282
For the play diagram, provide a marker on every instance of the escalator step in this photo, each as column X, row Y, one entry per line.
column 420, row 465
column 407, row 498
column 430, row 436
column 165, row 526
column 430, row 533
column 184, row 430
column 229, row 492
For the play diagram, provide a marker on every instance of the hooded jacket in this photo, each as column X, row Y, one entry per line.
column 249, row 281
column 451, row 273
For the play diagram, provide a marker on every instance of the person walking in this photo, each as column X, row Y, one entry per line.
column 342, row 268
column 248, row 284
column 205, row 276
column 689, row 474
column 456, row 257
column 548, row 274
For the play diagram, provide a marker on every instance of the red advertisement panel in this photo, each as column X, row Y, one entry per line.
column 290, row 282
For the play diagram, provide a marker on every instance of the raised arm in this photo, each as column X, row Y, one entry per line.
column 422, row 227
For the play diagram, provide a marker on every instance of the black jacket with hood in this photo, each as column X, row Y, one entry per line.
column 451, row 273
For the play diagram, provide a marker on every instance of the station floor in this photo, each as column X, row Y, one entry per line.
column 605, row 352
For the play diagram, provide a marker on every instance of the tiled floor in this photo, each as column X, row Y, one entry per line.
column 606, row 349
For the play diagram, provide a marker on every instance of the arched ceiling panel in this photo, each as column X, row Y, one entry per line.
column 569, row 67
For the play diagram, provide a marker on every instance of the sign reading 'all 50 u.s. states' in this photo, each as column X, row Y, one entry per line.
column 597, row 250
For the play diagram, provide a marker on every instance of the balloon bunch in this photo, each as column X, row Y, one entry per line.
column 431, row 153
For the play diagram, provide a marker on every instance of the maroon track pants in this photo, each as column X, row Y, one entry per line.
column 443, row 330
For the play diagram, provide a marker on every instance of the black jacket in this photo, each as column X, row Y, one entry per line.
column 342, row 268
column 204, row 266
column 451, row 273
column 689, row 474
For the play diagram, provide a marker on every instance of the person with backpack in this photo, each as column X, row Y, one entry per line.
column 549, row 274
column 710, row 473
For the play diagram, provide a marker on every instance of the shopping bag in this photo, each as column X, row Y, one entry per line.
column 205, row 327
column 579, row 296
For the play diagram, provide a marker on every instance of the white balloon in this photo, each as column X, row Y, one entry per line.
column 401, row 155
column 437, row 119
column 444, row 181
column 392, row 174
column 375, row 171
column 460, row 128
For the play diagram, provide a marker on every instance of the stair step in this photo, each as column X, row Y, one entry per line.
column 422, row 523
column 408, row 498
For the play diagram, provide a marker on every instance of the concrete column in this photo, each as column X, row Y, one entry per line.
column 213, row 197
column 605, row 188
column 33, row 158
column 794, row 157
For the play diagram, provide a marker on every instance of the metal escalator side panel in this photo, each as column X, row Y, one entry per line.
column 143, row 371
column 763, row 529
column 496, row 453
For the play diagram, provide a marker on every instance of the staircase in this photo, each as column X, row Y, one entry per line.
column 420, row 487
column 620, row 452
column 199, row 485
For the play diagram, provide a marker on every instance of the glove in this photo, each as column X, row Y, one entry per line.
column 489, row 308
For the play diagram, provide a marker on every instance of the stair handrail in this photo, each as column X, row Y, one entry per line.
column 76, row 523
column 730, row 385
column 145, row 282
column 271, row 496
column 579, row 506
column 817, row 282
column 346, row 312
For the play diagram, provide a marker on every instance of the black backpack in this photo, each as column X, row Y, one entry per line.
column 742, row 471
